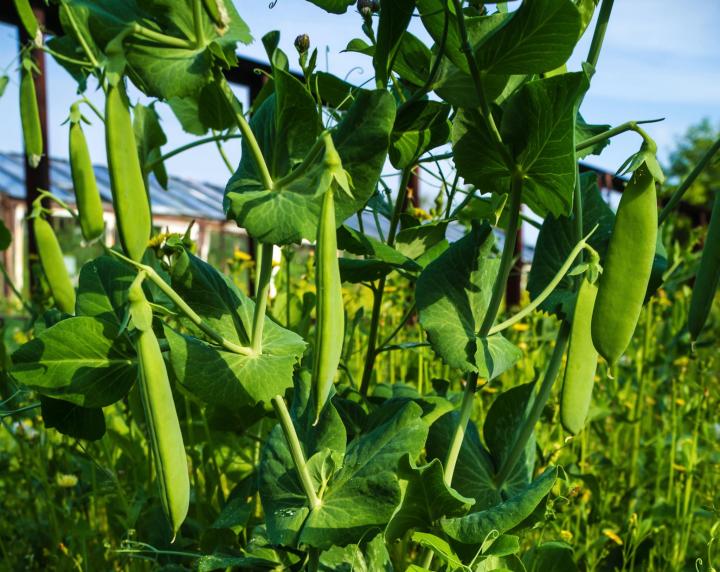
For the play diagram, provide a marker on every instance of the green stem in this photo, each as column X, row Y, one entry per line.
column 170, row 154
column 248, row 137
column 599, row 33
column 80, row 37
column 687, row 183
column 508, row 254
column 497, row 295
column 94, row 108
column 459, row 434
column 538, row 405
column 438, row 59
column 197, row 21
column 627, row 126
column 308, row 162
column 18, row 294
column 477, row 81
column 540, row 298
column 57, row 56
column 380, row 290
column 160, row 38
column 21, row 410
column 183, row 306
column 224, row 156
column 261, row 296
column 295, row 450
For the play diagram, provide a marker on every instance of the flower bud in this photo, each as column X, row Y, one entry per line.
column 302, row 43
column 368, row 7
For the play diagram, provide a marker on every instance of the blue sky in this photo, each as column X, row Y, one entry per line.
column 661, row 58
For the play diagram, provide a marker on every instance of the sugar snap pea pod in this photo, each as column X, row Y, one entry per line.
column 708, row 275
column 130, row 199
column 330, row 314
column 30, row 117
column 87, row 196
column 53, row 265
column 164, row 433
column 581, row 362
column 627, row 267
column 28, row 20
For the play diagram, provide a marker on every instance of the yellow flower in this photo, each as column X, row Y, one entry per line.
column 240, row 255
column 612, row 536
column 566, row 535
column 682, row 361
column 520, row 327
column 66, row 481
column 419, row 213
column 20, row 337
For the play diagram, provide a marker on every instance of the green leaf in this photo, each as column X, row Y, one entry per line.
column 419, row 127
column 452, row 295
column 360, row 244
column 473, row 477
column 5, row 237
column 211, row 562
column 73, row 420
column 501, row 428
column 394, row 19
column 440, row 547
column 357, row 498
column 426, row 498
column 334, row 6
column 412, row 60
column 82, row 360
column 584, row 131
column 539, row 37
column 102, row 289
column 333, row 91
column 283, row 215
column 495, row 355
column 551, row 557
column 416, row 241
column 557, row 239
column 474, row 528
column 228, row 377
column 369, row 556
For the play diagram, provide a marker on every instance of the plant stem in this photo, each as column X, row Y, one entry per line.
column 438, row 60
column 477, row 81
column 538, row 405
column 687, row 183
column 261, row 296
column 508, row 254
column 295, row 450
column 197, row 21
column 627, row 126
column 540, row 298
column 94, row 108
column 599, row 33
column 170, row 154
column 459, row 434
column 56, row 55
column 183, row 306
column 497, row 295
column 18, row 294
column 224, row 156
column 248, row 137
column 160, row 38
column 380, row 290
column 78, row 34
column 320, row 144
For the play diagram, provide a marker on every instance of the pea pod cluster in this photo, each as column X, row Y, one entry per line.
column 166, row 442
column 330, row 313
column 627, row 267
column 581, row 361
column 708, row 275
column 130, row 199
column 87, row 196
column 30, row 115
column 53, row 265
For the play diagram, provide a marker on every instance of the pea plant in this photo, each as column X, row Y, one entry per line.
column 345, row 470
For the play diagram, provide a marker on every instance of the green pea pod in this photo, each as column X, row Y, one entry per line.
column 87, row 196
column 28, row 20
column 330, row 327
column 53, row 265
column 163, row 427
column 130, row 200
column 708, row 275
column 581, row 362
column 627, row 268
column 30, row 117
